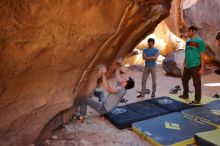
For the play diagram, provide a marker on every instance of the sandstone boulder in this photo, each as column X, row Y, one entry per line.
column 175, row 20
column 49, row 51
column 173, row 63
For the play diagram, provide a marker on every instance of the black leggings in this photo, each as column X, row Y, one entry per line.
column 194, row 73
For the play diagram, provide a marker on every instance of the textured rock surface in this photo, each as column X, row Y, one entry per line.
column 49, row 51
column 175, row 19
column 173, row 63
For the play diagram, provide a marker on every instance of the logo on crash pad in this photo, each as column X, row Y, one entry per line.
column 216, row 112
column 174, row 126
column 117, row 111
column 165, row 101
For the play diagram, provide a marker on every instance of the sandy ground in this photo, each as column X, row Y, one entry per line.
column 98, row 131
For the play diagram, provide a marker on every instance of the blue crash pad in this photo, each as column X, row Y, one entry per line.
column 171, row 129
column 123, row 116
column 209, row 113
column 170, row 104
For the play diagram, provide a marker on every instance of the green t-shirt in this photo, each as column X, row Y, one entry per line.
column 192, row 52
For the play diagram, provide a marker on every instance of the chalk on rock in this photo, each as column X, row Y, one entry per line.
column 54, row 137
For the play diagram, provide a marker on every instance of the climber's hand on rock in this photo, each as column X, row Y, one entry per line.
column 119, row 61
column 102, row 69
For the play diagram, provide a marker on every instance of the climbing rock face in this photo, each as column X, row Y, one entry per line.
column 175, row 19
column 49, row 51
column 204, row 15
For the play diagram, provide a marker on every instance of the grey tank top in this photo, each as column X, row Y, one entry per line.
column 113, row 99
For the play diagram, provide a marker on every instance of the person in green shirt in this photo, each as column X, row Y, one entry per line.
column 193, row 64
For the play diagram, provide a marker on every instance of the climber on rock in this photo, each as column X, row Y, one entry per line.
column 114, row 93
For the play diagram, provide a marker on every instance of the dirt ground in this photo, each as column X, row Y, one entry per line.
column 97, row 131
